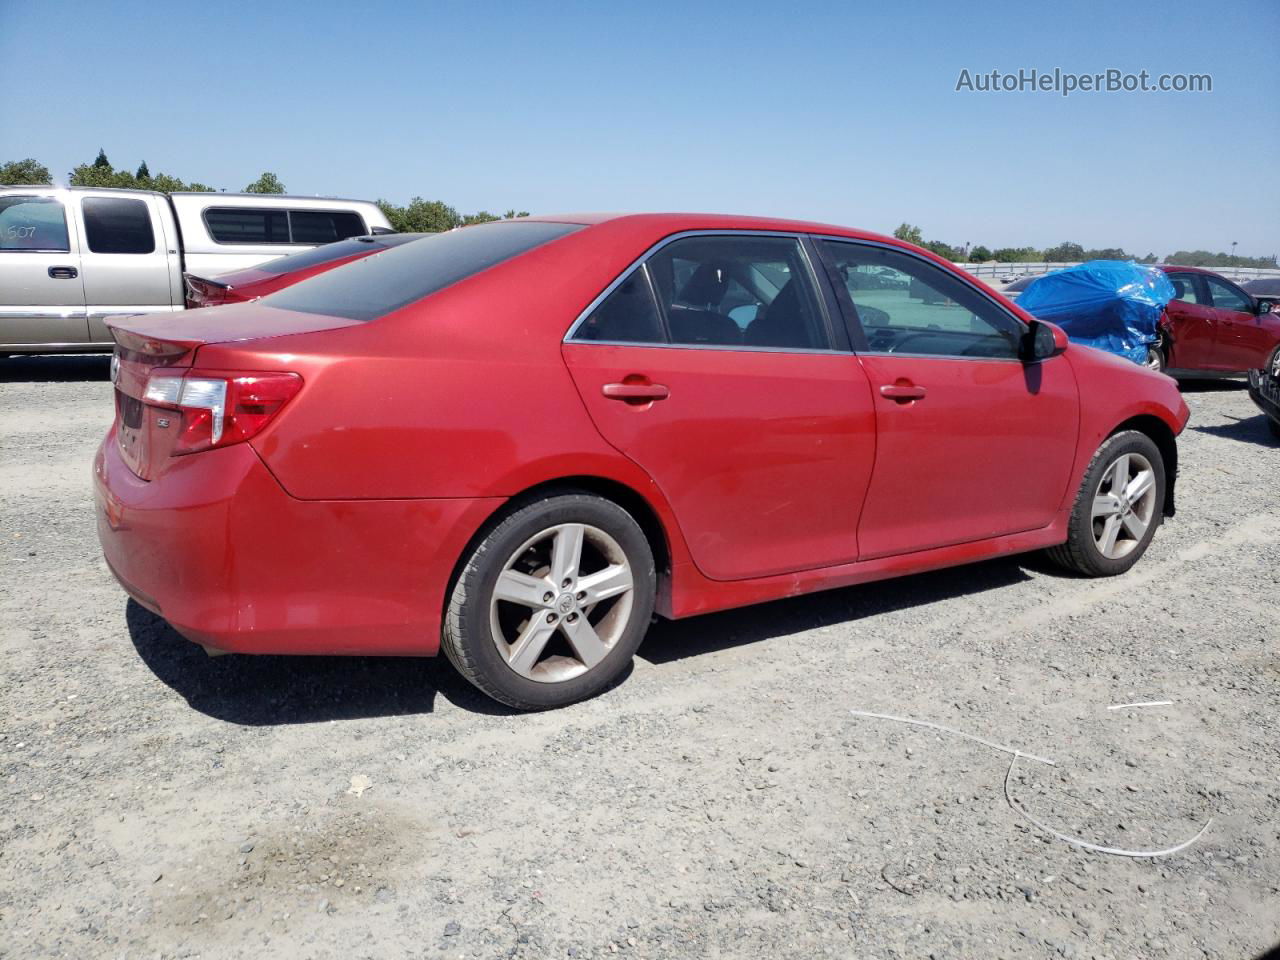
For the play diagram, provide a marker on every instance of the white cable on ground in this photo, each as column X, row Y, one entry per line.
column 959, row 733
column 1144, row 703
column 1075, row 841
column 1093, row 846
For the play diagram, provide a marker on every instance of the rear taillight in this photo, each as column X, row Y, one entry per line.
column 219, row 407
column 206, row 293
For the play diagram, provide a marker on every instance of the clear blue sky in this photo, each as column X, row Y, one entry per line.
column 842, row 111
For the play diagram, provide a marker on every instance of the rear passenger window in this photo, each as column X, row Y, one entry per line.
column 738, row 291
column 117, row 225
column 324, row 226
column 246, row 225
column 1184, row 287
column 627, row 315
column 33, row 224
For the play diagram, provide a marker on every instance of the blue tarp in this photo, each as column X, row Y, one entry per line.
column 1114, row 305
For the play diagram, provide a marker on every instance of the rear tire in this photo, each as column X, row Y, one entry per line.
column 552, row 603
column 1118, row 507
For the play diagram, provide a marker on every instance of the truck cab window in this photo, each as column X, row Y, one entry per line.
column 117, row 225
column 33, row 224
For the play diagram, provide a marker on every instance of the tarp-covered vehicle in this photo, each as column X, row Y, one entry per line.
column 1114, row 305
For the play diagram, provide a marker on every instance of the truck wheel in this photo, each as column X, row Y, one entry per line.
column 552, row 603
column 1118, row 508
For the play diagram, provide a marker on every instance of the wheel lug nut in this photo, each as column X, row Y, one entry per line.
column 551, row 618
column 582, row 594
column 548, row 597
column 566, row 582
column 571, row 618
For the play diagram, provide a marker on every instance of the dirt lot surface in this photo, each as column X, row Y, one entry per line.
column 722, row 801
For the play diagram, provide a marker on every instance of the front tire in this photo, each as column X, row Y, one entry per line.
column 1118, row 508
column 552, row 603
column 1156, row 359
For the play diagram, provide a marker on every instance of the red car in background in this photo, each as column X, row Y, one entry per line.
column 519, row 440
column 1213, row 326
column 258, row 281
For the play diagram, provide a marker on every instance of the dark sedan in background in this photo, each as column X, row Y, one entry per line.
column 258, row 281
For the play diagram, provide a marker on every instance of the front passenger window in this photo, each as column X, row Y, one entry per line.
column 907, row 305
column 1227, row 297
column 738, row 291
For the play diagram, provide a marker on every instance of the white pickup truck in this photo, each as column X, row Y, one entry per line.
column 72, row 257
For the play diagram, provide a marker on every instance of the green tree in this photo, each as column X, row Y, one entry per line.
column 512, row 215
column 1016, row 255
column 421, row 216
column 944, row 250
column 142, row 175
column 101, row 160
column 26, row 172
column 95, row 175
column 909, row 233
column 1065, row 253
column 1107, row 253
column 980, row 254
column 267, row 183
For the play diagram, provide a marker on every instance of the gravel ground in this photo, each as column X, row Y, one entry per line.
column 722, row 801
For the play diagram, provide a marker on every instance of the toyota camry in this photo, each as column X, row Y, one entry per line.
column 519, row 441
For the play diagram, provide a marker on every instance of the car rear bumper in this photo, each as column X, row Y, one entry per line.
column 219, row 549
column 1265, row 392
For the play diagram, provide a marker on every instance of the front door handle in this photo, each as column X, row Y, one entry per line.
column 903, row 391
column 635, row 392
column 63, row 273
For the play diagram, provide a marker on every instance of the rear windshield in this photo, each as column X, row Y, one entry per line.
column 335, row 251
column 375, row 286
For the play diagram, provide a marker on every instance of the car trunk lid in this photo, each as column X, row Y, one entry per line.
column 149, row 347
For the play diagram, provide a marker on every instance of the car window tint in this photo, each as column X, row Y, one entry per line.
column 910, row 306
column 330, row 252
column 738, row 291
column 117, row 225
column 627, row 315
column 1184, row 287
column 1227, row 297
column 247, row 225
column 374, row 286
column 324, row 226
column 34, row 224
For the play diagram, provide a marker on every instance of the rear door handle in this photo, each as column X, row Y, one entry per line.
column 63, row 273
column 903, row 392
column 635, row 392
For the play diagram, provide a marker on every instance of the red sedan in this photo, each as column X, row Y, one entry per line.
column 1213, row 326
column 254, row 282
column 519, row 440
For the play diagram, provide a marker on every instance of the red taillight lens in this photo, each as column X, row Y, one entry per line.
column 219, row 407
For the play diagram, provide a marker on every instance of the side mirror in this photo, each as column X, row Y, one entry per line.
column 1042, row 341
column 1265, row 306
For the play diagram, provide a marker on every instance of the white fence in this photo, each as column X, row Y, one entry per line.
column 995, row 271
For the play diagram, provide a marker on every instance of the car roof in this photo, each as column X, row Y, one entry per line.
column 1168, row 267
column 666, row 223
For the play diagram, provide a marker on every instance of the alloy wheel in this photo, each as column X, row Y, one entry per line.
column 562, row 602
column 1123, row 505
